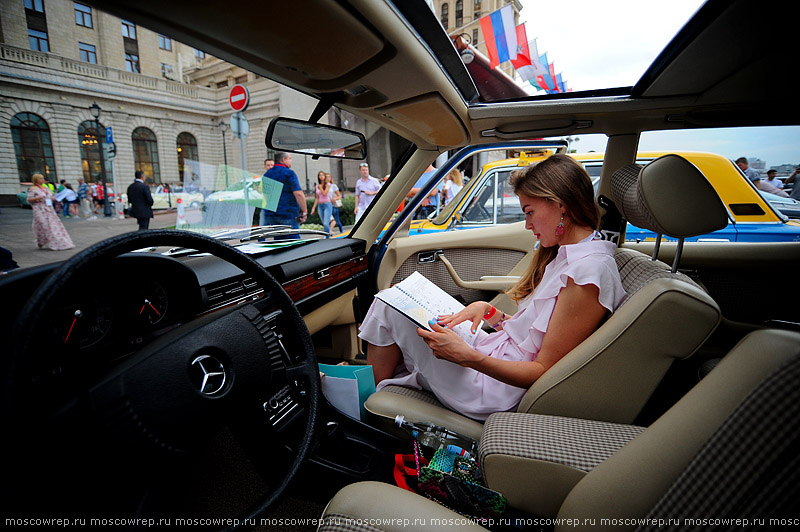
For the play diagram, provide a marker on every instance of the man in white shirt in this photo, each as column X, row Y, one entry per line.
column 366, row 189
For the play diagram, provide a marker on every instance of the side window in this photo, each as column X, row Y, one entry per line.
column 481, row 206
column 495, row 202
column 508, row 209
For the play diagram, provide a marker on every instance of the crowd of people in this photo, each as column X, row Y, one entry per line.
column 771, row 184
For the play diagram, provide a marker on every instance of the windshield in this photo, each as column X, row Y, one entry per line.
column 169, row 111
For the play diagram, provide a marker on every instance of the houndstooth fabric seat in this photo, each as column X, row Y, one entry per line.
column 666, row 315
column 728, row 449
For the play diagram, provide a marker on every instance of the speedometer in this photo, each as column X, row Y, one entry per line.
column 83, row 325
column 152, row 304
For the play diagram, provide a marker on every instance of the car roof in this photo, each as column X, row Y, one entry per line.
column 710, row 75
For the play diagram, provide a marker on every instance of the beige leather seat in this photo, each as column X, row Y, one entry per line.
column 666, row 316
column 728, row 449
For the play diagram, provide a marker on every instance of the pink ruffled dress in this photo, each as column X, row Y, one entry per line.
column 47, row 228
column 470, row 392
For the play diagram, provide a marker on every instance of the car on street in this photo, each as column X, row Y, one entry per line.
column 171, row 378
column 789, row 207
column 486, row 200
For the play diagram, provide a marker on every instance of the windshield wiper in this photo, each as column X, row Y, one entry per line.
column 248, row 234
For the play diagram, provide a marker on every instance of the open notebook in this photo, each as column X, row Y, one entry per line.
column 421, row 301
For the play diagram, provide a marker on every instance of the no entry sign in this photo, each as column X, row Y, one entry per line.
column 239, row 97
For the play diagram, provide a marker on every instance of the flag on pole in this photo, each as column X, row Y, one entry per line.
column 523, row 61
column 552, row 67
column 560, row 83
column 545, row 80
column 500, row 35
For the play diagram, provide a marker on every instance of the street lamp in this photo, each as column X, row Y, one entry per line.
column 224, row 127
column 94, row 109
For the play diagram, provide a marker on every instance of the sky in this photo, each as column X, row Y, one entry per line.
column 633, row 33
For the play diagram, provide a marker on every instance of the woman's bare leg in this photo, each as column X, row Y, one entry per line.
column 384, row 360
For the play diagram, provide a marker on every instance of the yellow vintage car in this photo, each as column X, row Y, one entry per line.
column 487, row 199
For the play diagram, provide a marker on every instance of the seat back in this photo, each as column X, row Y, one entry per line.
column 716, row 452
column 666, row 315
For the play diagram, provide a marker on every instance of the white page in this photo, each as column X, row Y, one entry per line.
column 422, row 301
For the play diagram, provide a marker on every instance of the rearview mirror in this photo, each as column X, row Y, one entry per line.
column 317, row 140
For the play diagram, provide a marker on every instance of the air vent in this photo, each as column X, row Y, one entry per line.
column 228, row 292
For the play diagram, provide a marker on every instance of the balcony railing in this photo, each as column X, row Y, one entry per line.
column 84, row 69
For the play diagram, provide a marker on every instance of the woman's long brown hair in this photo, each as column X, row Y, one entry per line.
column 561, row 179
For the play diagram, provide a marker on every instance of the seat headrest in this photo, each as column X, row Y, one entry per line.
column 670, row 196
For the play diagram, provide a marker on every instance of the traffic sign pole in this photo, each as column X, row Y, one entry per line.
column 239, row 98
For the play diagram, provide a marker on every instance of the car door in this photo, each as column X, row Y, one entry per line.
column 479, row 264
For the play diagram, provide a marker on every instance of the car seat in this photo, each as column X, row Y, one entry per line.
column 666, row 315
column 728, row 449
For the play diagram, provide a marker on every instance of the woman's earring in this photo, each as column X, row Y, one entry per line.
column 560, row 227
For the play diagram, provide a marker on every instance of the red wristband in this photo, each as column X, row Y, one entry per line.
column 489, row 314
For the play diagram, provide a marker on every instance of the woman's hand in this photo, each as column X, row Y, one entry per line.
column 449, row 346
column 473, row 313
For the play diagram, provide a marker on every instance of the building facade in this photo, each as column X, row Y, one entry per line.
column 163, row 100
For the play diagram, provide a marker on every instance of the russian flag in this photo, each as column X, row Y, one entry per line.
column 500, row 36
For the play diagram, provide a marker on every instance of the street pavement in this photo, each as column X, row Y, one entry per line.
column 16, row 233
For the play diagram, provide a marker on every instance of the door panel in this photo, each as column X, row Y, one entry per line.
column 492, row 251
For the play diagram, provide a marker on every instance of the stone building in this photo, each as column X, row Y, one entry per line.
column 163, row 100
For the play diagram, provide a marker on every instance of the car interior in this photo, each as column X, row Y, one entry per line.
column 683, row 404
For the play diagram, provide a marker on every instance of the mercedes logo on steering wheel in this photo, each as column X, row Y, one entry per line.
column 207, row 374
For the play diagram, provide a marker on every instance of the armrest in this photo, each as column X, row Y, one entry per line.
column 496, row 283
column 536, row 460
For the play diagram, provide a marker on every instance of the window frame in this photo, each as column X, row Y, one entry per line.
column 23, row 125
column 129, row 28
column 132, row 63
column 39, row 40
column 164, row 43
column 82, row 14
column 90, row 54
column 145, row 142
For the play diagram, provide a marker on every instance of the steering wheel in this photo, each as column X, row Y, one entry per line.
column 175, row 393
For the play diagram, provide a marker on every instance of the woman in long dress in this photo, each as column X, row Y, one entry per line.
column 47, row 228
column 570, row 287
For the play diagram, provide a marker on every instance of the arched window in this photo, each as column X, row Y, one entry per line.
column 445, row 15
column 459, row 13
column 91, row 143
column 187, row 150
column 145, row 153
column 33, row 147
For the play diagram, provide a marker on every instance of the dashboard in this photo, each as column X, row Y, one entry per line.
column 103, row 317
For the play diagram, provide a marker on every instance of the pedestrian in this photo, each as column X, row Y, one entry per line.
column 750, row 173
column 336, row 197
column 322, row 201
column 792, row 179
column 68, row 197
column 453, row 184
column 140, row 200
column 366, row 189
column 47, row 228
column 431, row 203
column 291, row 208
column 84, row 209
column 772, row 184
column 100, row 200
